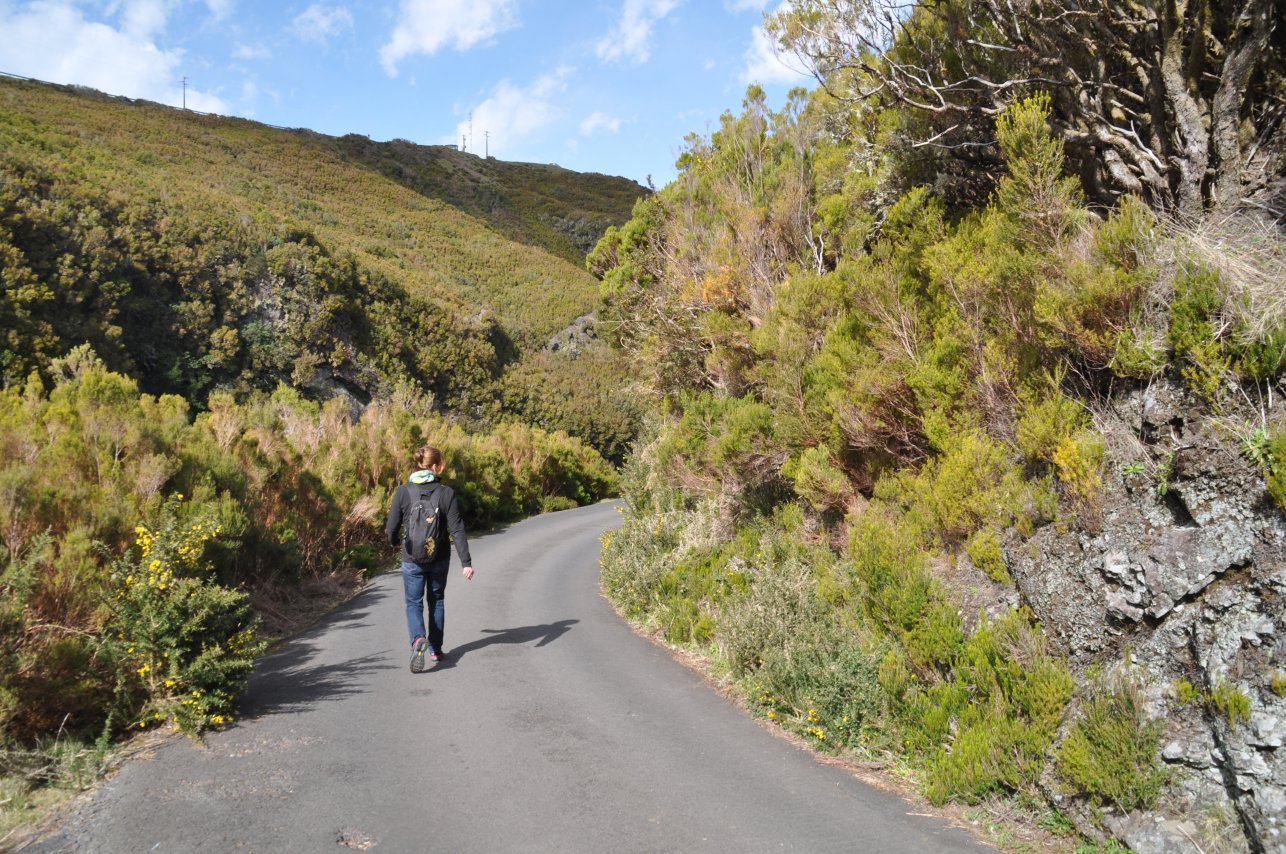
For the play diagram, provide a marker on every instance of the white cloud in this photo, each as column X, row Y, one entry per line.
column 512, row 112
column 52, row 40
column 251, row 51
column 318, row 23
column 747, row 5
column 427, row 26
column 763, row 63
column 141, row 19
column 631, row 38
column 220, row 8
column 600, row 121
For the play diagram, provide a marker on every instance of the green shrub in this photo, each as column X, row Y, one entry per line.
column 1139, row 354
column 1044, row 422
column 1078, row 459
column 777, row 603
column 823, row 683
column 984, row 549
column 1231, row 701
column 1268, row 451
column 185, row 644
column 971, row 485
column 1112, row 751
column 1185, row 693
column 1193, row 329
column 1006, row 696
column 899, row 595
column 635, row 558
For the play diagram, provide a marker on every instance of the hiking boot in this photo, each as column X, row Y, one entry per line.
column 418, row 651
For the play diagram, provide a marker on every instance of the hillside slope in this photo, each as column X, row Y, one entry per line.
column 196, row 252
column 562, row 211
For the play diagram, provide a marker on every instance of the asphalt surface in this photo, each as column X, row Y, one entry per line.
column 552, row 727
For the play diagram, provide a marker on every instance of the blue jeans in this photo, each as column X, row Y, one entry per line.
column 425, row 583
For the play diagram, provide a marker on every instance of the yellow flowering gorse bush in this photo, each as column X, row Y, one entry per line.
column 187, row 643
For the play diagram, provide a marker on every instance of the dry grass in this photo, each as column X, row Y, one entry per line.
column 1249, row 254
column 288, row 607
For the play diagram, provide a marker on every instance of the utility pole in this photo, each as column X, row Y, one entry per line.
column 185, row 91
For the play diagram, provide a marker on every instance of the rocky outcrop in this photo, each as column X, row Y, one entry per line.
column 1186, row 578
column 573, row 340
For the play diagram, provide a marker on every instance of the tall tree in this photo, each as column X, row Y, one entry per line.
column 1178, row 101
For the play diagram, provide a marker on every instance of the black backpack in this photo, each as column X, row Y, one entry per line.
column 424, row 527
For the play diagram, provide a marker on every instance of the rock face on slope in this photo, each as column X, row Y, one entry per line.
column 1186, row 576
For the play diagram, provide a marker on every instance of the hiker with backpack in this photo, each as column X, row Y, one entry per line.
column 423, row 514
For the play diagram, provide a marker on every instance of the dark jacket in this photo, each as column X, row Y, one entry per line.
column 407, row 494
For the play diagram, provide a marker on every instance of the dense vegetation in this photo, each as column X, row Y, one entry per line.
column 199, row 253
column 868, row 387
column 220, row 343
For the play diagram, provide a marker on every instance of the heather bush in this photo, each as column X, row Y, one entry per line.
column 894, row 591
column 1004, row 700
column 971, row 485
column 1112, row 752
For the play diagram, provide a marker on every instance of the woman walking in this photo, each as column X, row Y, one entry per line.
column 424, row 513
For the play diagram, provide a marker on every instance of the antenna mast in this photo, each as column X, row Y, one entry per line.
column 185, row 91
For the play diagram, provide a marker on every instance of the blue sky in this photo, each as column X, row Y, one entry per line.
column 607, row 86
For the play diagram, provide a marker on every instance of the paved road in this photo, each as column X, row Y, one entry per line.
column 553, row 728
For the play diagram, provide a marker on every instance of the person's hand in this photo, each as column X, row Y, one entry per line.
column 468, row 573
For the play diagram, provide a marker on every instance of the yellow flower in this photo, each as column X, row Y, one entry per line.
column 142, row 671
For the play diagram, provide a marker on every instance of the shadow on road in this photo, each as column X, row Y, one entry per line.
column 283, row 681
column 545, row 634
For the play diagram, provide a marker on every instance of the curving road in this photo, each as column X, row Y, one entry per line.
column 552, row 728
